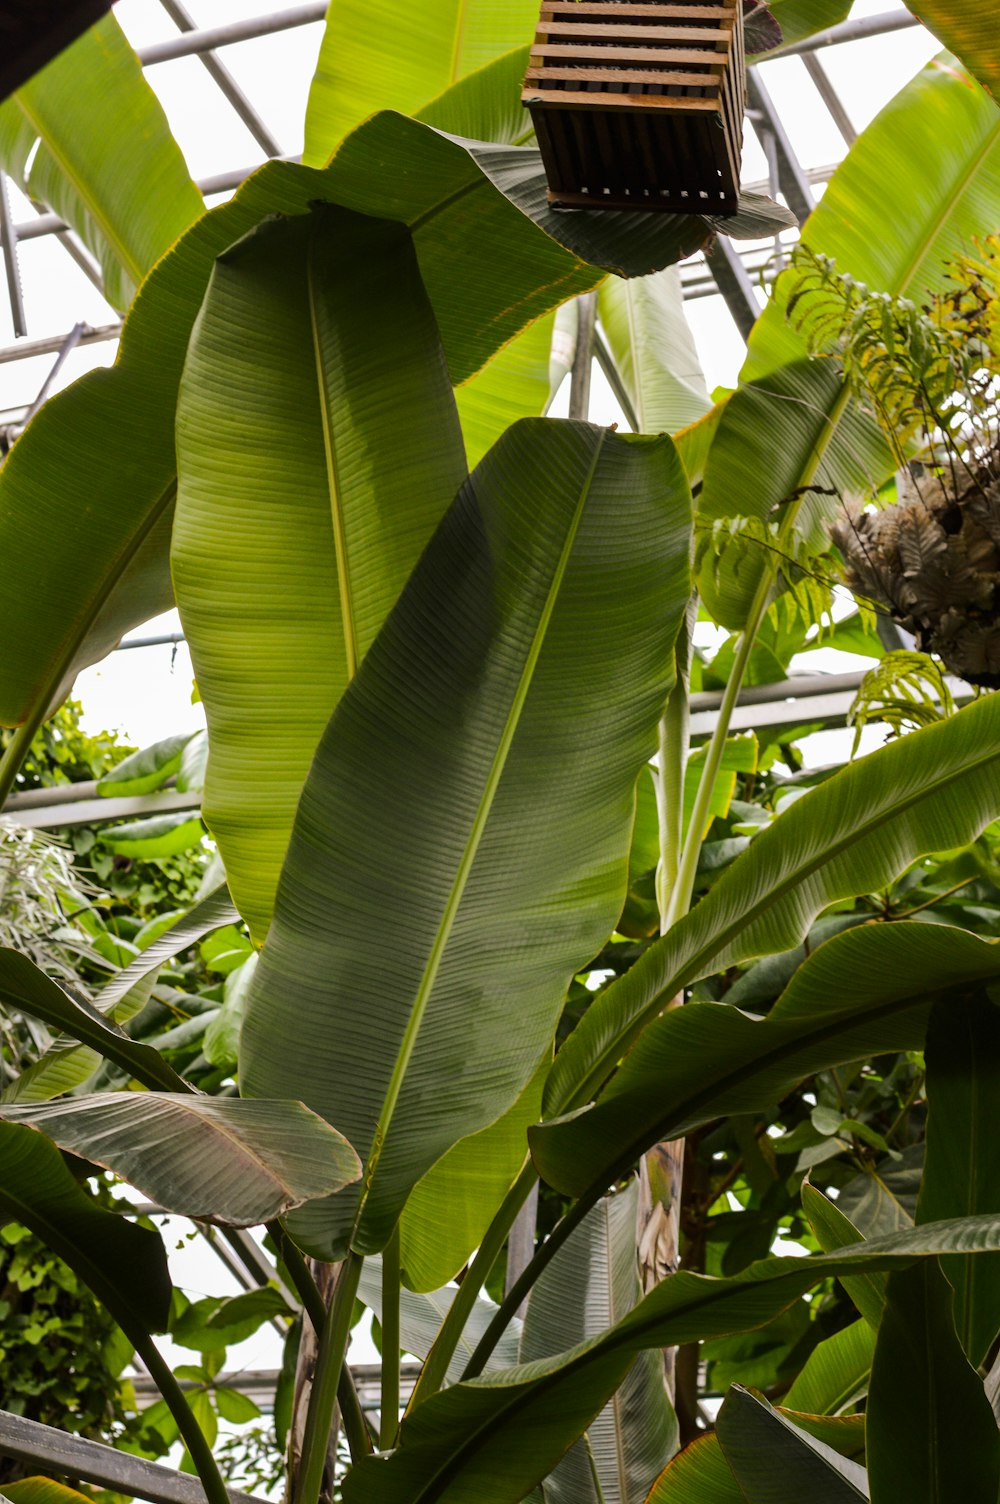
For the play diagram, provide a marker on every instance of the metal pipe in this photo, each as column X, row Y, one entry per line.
column 192, row 43
column 226, row 82
column 8, row 239
column 28, row 349
column 857, row 30
column 830, row 97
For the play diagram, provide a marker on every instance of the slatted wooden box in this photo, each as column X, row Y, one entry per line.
column 638, row 104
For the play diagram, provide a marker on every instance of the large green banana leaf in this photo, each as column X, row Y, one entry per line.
column 114, row 172
column 919, row 183
column 390, row 55
column 593, row 1282
column 854, row 832
column 453, row 792
column 654, row 350
column 776, row 1462
column 234, row 1162
column 932, row 1434
column 493, row 1439
column 698, row 1475
column 968, row 29
column 124, row 1265
column 962, row 1166
column 707, row 1060
column 775, row 436
column 449, row 1210
column 318, row 446
column 485, row 105
column 493, row 257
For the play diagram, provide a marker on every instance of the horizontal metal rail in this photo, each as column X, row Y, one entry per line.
column 858, row 30
column 208, row 38
column 71, row 1456
column 68, row 812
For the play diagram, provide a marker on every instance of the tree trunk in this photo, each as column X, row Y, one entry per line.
column 326, row 1276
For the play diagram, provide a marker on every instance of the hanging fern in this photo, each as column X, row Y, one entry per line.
column 903, row 691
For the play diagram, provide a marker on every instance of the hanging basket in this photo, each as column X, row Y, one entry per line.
column 638, row 104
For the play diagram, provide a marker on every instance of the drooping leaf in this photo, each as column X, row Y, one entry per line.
column 962, row 1169
column 775, row 1462
column 326, row 476
column 493, row 256
column 593, row 1282
column 158, row 837
column 450, row 1209
column 515, row 384
column 41, row 1491
column 654, row 350
column 548, row 598
column 126, row 191
column 493, row 1439
column 124, row 1265
column 864, row 992
column 218, row 1158
column 850, row 835
column 146, row 770
column 385, row 56
column 932, row 1434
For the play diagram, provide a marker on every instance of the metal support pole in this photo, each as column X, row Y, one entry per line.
column 69, row 343
column 226, row 82
column 830, row 97
column 579, row 381
column 731, row 279
column 8, row 237
column 857, row 30
column 791, row 174
column 210, row 37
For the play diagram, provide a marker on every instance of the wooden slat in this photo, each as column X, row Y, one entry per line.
column 584, row 34
column 682, row 104
column 588, row 55
column 714, row 11
column 634, row 76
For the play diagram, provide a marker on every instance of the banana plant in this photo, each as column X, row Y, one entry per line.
column 433, row 694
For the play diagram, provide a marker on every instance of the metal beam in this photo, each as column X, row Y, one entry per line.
column 95, row 811
column 858, row 30
column 192, row 43
column 726, row 267
column 70, row 1456
column 795, row 184
column 9, row 239
column 830, row 97
column 227, row 84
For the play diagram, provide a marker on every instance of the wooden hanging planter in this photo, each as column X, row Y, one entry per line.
column 638, row 104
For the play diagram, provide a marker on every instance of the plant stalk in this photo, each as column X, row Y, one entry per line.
column 433, row 1373
column 579, row 381
column 673, row 750
column 355, row 1426
column 391, row 1272
column 329, row 1364
column 16, row 752
column 191, row 1433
